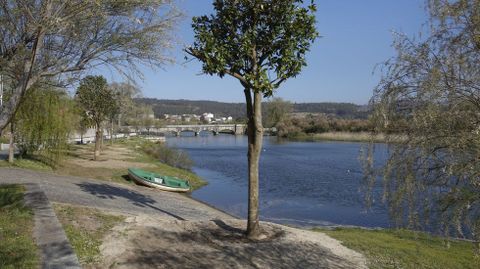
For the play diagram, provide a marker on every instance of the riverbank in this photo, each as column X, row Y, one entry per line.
column 112, row 165
column 407, row 249
column 339, row 136
column 165, row 230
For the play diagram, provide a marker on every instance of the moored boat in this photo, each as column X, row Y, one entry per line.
column 158, row 181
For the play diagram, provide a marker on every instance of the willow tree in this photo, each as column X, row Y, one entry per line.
column 55, row 38
column 98, row 103
column 44, row 122
column 428, row 105
column 261, row 43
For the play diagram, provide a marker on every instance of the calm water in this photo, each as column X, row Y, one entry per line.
column 301, row 183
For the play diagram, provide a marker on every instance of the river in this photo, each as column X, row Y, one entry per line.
column 301, row 183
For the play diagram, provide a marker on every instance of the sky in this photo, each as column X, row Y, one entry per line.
column 356, row 36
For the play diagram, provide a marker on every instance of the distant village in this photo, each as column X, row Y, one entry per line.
column 208, row 118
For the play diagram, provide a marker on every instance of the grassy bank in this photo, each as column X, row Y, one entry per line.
column 143, row 155
column 338, row 136
column 17, row 246
column 406, row 249
column 85, row 229
column 26, row 164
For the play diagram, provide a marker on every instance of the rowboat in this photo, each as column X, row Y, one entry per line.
column 155, row 180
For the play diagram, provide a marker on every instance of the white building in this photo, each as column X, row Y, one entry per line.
column 208, row 117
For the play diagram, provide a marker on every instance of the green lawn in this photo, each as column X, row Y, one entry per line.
column 26, row 164
column 17, row 246
column 85, row 229
column 407, row 249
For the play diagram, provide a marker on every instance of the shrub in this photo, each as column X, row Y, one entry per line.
column 171, row 156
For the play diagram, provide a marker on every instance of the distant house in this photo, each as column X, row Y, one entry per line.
column 186, row 118
column 208, row 117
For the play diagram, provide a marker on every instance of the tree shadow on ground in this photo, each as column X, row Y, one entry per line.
column 223, row 246
column 105, row 191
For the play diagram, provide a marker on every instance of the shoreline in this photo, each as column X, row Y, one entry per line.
column 337, row 136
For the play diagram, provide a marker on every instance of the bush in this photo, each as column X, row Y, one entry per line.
column 171, row 156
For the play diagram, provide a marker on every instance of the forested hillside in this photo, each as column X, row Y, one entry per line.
column 237, row 110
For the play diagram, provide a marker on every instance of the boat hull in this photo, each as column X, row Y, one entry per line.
column 144, row 182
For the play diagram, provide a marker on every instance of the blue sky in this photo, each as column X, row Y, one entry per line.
column 356, row 35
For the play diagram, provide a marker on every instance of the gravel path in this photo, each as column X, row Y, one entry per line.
column 132, row 200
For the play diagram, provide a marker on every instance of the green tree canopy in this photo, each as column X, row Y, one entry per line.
column 261, row 43
column 98, row 103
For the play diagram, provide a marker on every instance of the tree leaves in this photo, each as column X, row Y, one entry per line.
column 261, row 43
column 97, row 100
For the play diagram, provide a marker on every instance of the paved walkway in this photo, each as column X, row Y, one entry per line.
column 126, row 199
column 55, row 249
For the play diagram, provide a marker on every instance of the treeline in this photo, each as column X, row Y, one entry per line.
column 340, row 110
column 280, row 114
column 237, row 110
column 319, row 123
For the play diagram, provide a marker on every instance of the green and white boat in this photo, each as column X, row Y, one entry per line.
column 155, row 180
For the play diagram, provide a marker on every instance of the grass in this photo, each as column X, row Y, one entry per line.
column 121, row 175
column 195, row 181
column 27, row 164
column 17, row 246
column 85, row 229
column 407, row 249
column 137, row 143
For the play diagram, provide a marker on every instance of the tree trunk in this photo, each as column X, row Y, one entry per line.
column 98, row 136
column 11, row 150
column 101, row 139
column 111, row 132
column 255, row 139
column 119, row 121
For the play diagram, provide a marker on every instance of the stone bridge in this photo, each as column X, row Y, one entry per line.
column 235, row 129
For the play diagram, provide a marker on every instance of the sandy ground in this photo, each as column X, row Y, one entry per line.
column 145, row 242
column 113, row 157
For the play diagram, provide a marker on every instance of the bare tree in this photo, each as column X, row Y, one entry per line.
column 125, row 93
column 56, row 38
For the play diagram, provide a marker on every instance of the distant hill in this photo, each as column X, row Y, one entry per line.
column 237, row 110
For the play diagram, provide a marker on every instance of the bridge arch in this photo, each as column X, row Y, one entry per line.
column 227, row 131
